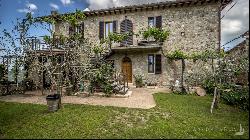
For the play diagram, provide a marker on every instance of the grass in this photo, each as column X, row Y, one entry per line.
column 176, row 116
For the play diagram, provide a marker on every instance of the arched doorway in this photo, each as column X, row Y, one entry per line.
column 127, row 68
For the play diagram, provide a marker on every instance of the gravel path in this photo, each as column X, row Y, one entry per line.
column 140, row 98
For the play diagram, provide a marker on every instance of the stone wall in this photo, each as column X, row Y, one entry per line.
column 171, row 69
column 140, row 66
column 200, row 25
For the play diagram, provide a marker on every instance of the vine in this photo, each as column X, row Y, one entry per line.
column 158, row 34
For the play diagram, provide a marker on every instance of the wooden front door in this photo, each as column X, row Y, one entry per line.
column 127, row 69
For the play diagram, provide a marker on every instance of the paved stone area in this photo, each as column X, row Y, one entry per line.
column 140, row 98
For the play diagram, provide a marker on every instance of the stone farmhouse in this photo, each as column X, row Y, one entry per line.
column 194, row 26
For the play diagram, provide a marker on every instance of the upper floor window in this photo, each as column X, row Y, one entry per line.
column 108, row 28
column 79, row 29
column 151, row 22
column 155, row 22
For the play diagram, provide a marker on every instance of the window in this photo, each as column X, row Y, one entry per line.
column 151, row 22
column 151, row 64
column 105, row 28
column 79, row 29
column 155, row 22
column 154, row 64
column 108, row 28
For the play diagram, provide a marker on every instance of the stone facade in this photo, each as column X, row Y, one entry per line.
column 192, row 28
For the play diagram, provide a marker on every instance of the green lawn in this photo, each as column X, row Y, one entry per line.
column 176, row 116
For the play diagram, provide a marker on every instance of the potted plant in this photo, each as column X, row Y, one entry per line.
column 53, row 102
column 138, row 81
column 155, row 35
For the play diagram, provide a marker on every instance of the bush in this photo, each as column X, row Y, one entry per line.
column 238, row 97
column 138, row 81
column 231, row 94
column 2, row 68
column 209, row 86
column 100, row 78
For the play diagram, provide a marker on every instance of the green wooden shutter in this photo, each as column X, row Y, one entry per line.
column 71, row 30
column 158, row 65
column 127, row 27
column 159, row 22
column 114, row 26
column 101, row 30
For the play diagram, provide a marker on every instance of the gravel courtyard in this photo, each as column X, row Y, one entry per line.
column 140, row 98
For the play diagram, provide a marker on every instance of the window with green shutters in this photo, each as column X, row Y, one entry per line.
column 155, row 63
column 155, row 22
column 107, row 27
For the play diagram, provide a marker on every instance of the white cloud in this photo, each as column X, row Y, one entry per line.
column 66, row 2
column 100, row 4
column 54, row 6
column 30, row 7
column 235, row 22
column 23, row 10
column 232, row 26
column 103, row 4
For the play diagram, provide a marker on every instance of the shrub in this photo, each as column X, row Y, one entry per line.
column 238, row 97
column 107, row 88
column 209, row 86
column 2, row 68
column 100, row 78
column 138, row 80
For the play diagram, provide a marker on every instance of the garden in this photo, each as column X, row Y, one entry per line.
column 175, row 116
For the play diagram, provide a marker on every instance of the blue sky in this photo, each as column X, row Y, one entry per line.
column 234, row 23
column 10, row 10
